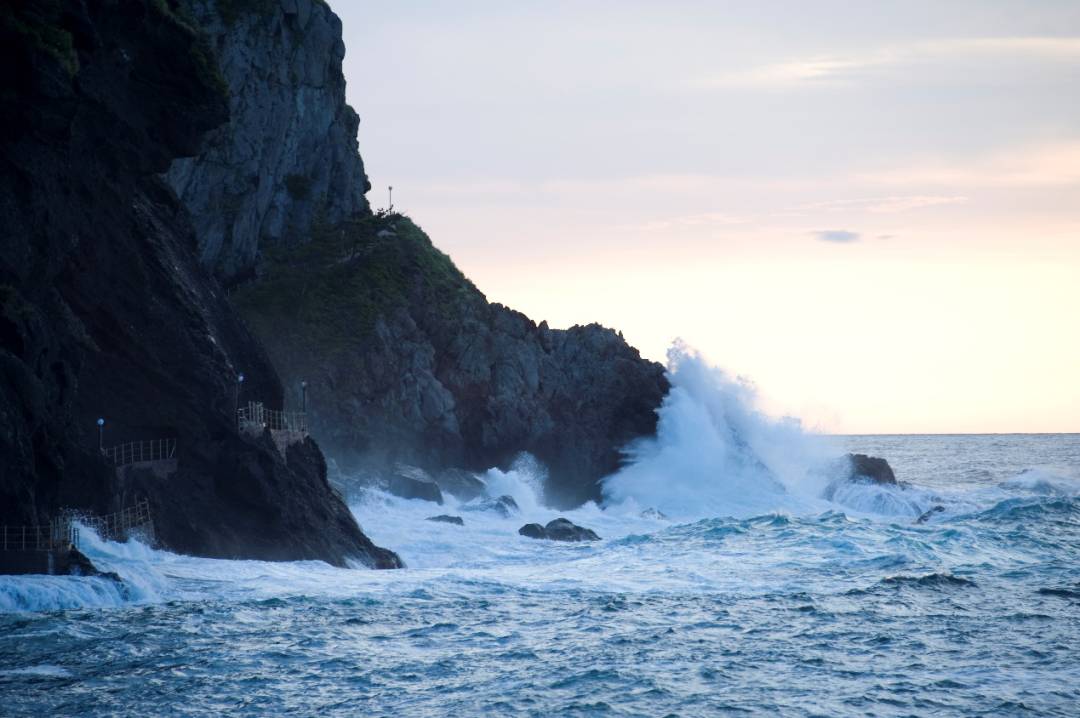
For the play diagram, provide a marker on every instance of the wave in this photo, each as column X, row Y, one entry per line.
column 132, row 561
column 57, row 593
column 715, row 454
column 930, row 580
column 1047, row 481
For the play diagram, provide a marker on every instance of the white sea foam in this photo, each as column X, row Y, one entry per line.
column 1048, row 480
column 716, row 454
column 43, row 670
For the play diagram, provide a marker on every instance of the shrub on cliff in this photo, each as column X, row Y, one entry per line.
column 333, row 287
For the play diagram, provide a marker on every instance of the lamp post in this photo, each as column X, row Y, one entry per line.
column 303, row 396
column 101, row 435
column 391, row 207
column 239, row 384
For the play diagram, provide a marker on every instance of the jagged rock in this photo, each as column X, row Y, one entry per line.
column 559, row 529
column 462, row 484
column 870, row 467
column 504, row 506
column 412, row 363
column 535, row 531
column 564, row 530
column 412, row 482
column 77, row 564
column 926, row 515
column 106, row 309
column 288, row 151
column 443, row 518
column 440, row 377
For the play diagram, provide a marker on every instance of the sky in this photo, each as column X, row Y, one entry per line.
column 869, row 210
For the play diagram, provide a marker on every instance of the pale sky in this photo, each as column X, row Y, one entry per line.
column 869, row 209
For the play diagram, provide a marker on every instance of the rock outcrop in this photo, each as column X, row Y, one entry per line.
column 504, row 506
column 405, row 360
column 446, row 519
column 559, row 529
column 929, row 514
column 106, row 310
column 461, row 484
column 288, row 151
column 412, row 482
column 870, row 467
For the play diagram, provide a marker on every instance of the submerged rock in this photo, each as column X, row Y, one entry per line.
column 412, row 482
column 535, row 531
column 504, row 506
column 559, row 529
column 465, row 485
column 652, row 513
column 870, row 467
column 446, row 519
column 925, row 516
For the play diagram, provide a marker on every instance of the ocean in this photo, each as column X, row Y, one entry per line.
column 747, row 591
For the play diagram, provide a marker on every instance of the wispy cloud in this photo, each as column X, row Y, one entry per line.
column 825, row 70
column 839, row 236
column 882, row 205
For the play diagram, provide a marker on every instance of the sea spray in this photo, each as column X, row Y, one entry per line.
column 524, row 481
column 716, row 454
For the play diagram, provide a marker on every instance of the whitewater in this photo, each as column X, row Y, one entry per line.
column 735, row 573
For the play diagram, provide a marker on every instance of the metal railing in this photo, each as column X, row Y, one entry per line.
column 136, row 451
column 58, row 535
column 117, row 526
column 256, row 417
column 62, row 532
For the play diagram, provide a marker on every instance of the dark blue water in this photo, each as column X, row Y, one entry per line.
column 834, row 608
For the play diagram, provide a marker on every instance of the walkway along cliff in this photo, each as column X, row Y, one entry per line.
column 106, row 310
column 405, row 358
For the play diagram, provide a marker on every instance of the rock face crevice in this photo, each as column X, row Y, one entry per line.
column 288, row 152
column 105, row 310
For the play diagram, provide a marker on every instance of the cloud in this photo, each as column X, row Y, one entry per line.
column 824, row 70
column 884, row 205
column 839, row 236
column 785, row 74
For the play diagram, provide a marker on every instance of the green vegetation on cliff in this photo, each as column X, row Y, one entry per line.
column 332, row 289
column 40, row 24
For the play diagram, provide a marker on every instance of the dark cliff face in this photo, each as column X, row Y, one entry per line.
column 406, row 360
column 288, row 151
column 106, row 310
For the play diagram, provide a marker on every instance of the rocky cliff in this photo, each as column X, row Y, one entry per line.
column 288, row 150
column 406, row 361
column 105, row 309
column 404, row 358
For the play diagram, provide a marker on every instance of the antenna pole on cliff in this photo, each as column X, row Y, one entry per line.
column 391, row 207
column 101, row 435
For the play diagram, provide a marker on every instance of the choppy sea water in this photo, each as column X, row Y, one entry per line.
column 837, row 609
